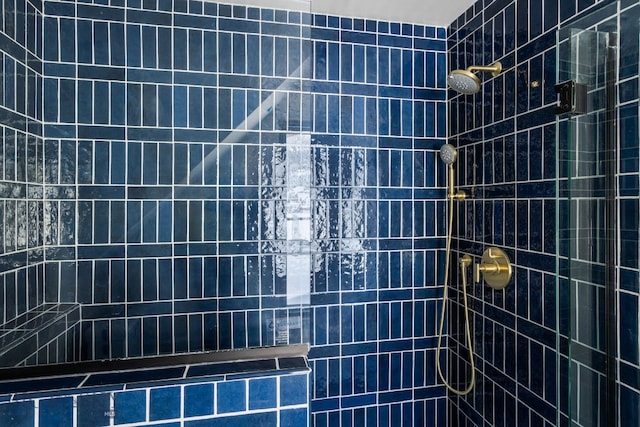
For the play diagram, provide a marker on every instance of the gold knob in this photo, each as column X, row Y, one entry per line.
column 495, row 268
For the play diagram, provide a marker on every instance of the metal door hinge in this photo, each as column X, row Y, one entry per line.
column 572, row 98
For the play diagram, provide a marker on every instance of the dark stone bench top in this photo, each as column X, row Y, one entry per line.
column 112, row 375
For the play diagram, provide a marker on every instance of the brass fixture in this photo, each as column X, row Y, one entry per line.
column 464, row 262
column 466, row 82
column 449, row 154
column 495, row 268
column 494, row 69
column 452, row 194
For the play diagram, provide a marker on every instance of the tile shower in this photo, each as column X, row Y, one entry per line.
column 164, row 155
column 510, row 156
column 148, row 208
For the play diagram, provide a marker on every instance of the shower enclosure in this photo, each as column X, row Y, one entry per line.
column 182, row 199
column 597, row 142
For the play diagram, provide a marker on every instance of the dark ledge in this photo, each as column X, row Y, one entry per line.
column 141, row 372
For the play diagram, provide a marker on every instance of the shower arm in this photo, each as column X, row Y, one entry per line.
column 494, row 69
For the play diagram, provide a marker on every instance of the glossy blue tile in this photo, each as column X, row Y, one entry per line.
column 67, row 40
column 149, row 47
column 239, row 53
column 84, row 30
column 56, row 412
column 130, row 407
column 628, row 250
column 262, row 393
column 224, row 53
column 628, row 329
column 180, row 50
column 198, row 400
column 629, row 403
column 92, row 409
column 51, row 50
column 164, row 403
column 334, row 61
column 180, row 106
column 294, row 417
column 231, row 396
column 281, row 50
column 18, row 413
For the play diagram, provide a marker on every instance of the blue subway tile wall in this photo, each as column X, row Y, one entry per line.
column 502, row 158
column 22, row 209
column 506, row 137
column 203, row 403
column 166, row 190
column 178, row 243
column 375, row 287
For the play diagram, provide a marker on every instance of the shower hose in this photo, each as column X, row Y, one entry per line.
column 464, row 263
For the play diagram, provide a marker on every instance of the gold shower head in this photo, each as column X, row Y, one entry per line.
column 466, row 82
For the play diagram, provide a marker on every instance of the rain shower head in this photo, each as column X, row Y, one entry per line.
column 466, row 82
column 448, row 154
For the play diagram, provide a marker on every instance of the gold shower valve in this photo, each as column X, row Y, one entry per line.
column 494, row 267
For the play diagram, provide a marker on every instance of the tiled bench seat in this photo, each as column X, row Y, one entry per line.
column 22, row 337
column 261, row 387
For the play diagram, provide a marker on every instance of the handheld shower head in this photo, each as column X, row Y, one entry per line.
column 466, row 82
column 448, row 154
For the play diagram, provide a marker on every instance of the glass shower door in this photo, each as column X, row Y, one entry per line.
column 586, row 141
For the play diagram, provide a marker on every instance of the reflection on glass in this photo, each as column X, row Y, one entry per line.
column 298, row 214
